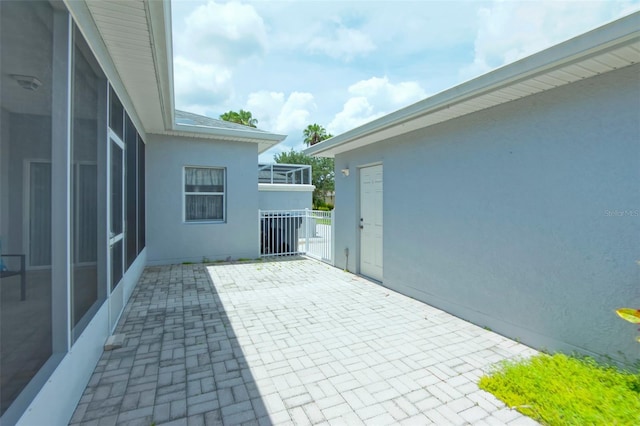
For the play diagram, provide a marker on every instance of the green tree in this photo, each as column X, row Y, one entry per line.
column 322, row 172
column 315, row 133
column 230, row 116
column 241, row 117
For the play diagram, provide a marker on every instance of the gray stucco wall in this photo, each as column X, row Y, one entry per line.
column 169, row 239
column 285, row 197
column 523, row 218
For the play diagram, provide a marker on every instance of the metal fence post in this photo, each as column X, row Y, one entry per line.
column 306, row 230
column 333, row 238
column 260, row 233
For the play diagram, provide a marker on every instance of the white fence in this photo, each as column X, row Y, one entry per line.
column 295, row 232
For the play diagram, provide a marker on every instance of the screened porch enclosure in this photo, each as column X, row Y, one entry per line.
column 289, row 174
column 54, row 168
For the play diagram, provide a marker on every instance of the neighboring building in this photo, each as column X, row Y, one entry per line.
column 221, row 159
column 285, row 187
column 98, row 178
column 511, row 200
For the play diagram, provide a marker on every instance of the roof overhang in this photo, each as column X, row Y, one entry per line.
column 263, row 139
column 607, row 48
column 132, row 41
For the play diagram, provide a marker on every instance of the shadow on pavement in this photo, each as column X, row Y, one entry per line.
column 181, row 360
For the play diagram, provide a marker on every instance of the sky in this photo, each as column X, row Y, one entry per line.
column 344, row 63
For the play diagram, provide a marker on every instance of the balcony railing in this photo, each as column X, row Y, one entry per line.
column 293, row 174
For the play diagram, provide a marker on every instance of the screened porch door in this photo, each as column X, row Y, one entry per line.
column 116, row 224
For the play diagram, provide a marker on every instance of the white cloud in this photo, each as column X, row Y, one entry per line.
column 337, row 30
column 213, row 40
column 295, row 113
column 198, row 86
column 356, row 111
column 381, row 91
column 281, row 60
column 278, row 114
column 343, row 43
column 511, row 30
column 222, row 33
column 372, row 99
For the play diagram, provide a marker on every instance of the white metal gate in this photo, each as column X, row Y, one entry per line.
column 296, row 232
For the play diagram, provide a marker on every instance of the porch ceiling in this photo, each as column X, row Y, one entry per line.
column 605, row 49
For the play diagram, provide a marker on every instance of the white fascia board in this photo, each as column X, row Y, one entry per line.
column 264, row 146
column 239, row 135
column 598, row 41
column 159, row 18
column 283, row 187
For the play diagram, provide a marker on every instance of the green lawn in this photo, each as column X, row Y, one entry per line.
column 563, row 390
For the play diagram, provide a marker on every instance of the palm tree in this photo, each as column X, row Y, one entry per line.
column 315, row 133
column 230, row 116
column 246, row 118
column 242, row 117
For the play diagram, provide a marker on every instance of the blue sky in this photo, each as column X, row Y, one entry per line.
column 344, row 63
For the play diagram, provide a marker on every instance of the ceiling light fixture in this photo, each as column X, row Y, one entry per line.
column 27, row 82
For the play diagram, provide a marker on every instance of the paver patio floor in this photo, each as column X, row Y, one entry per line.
column 290, row 342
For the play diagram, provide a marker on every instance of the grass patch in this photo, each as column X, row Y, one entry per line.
column 563, row 390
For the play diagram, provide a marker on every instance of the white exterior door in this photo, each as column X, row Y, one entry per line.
column 371, row 222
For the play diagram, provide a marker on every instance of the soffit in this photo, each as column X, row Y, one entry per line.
column 259, row 138
column 126, row 29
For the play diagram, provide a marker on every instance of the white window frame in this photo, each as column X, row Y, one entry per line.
column 185, row 194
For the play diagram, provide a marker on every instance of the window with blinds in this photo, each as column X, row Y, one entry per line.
column 204, row 194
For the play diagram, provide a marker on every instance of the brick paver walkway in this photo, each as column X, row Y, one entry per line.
column 290, row 342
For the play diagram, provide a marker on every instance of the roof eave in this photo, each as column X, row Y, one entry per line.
column 84, row 21
column 150, row 106
column 617, row 33
column 264, row 140
column 159, row 18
